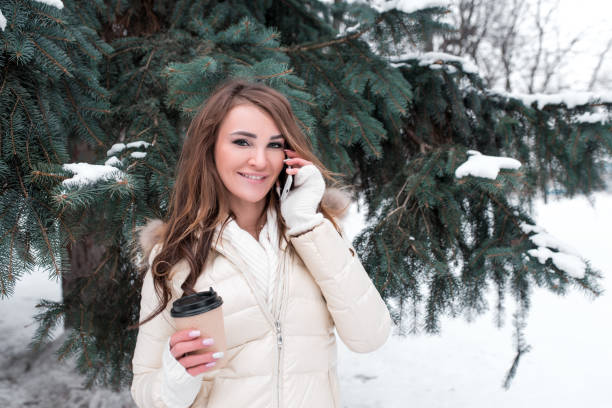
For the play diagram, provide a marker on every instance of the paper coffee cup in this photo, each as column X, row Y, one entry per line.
column 202, row 311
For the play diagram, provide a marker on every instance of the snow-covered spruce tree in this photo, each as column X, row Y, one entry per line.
column 399, row 125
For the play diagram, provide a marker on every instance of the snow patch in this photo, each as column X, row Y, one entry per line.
column 113, row 161
column 85, row 174
column 138, row 155
column 437, row 60
column 481, row 165
column 407, row 6
column 137, row 144
column 571, row 264
column 352, row 29
column 54, row 3
column 528, row 228
column 571, row 99
column 593, row 117
column 2, row 21
column 116, row 148
column 567, row 259
column 543, row 238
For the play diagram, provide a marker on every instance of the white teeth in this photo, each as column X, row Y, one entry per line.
column 252, row 177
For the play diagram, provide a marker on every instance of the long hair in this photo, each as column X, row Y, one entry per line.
column 199, row 201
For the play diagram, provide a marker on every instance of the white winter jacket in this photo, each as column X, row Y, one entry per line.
column 283, row 359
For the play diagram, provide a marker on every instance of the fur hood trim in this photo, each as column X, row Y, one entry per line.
column 335, row 200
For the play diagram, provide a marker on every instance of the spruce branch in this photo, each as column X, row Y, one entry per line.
column 80, row 117
column 53, row 60
column 375, row 151
column 383, row 78
column 47, row 127
column 57, row 270
column 299, row 48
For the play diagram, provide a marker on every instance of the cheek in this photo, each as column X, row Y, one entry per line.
column 223, row 158
column 279, row 166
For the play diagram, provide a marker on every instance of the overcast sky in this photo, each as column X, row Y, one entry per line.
column 593, row 19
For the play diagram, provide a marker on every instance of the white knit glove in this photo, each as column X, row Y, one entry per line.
column 179, row 388
column 299, row 208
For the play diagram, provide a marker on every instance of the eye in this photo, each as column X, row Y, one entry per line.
column 241, row 142
column 277, row 145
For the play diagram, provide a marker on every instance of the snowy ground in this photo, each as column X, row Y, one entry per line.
column 571, row 338
column 568, row 366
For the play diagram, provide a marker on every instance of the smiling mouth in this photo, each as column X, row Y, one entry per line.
column 252, row 177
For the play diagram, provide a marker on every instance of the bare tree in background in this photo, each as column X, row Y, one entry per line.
column 606, row 80
column 517, row 44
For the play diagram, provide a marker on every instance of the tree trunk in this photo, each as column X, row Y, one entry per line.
column 86, row 253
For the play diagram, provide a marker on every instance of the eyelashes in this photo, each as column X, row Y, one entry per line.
column 244, row 142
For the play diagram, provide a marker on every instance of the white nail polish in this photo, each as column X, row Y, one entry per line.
column 208, row 342
column 217, row 355
column 194, row 333
column 211, row 364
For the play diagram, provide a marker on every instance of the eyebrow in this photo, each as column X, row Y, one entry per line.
column 249, row 134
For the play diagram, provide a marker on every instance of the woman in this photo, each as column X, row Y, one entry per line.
column 285, row 273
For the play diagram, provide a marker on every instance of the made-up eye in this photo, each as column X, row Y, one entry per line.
column 277, row 145
column 241, row 142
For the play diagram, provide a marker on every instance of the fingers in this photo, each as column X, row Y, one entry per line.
column 183, row 335
column 200, row 369
column 187, row 346
column 186, row 341
column 292, row 157
column 295, row 161
column 290, row 153
column 198, row 363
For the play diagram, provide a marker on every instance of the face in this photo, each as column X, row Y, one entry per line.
column 248, row 154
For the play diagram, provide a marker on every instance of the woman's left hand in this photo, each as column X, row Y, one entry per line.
column 299, row 208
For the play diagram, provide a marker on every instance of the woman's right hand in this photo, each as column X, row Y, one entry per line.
column 186, row 341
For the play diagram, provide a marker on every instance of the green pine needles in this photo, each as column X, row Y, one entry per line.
column 95, row 101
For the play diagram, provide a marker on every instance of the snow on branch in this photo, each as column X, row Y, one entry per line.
column 119, row 147
column 481, row 165
column 137, row 144
column 566, row 259
column 593, row 117
column 571, row 99
column 54, row 3
column 116, row 148
column 438, row 60
column 406, row 6
column 2, row 21
column 138, row 155
column 85, row 174
column 113, row 161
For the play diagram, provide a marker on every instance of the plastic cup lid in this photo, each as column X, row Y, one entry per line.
column 196, row 304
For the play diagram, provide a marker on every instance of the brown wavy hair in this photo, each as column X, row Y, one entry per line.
column 199, row 200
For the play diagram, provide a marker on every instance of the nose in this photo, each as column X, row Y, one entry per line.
column 258, row 158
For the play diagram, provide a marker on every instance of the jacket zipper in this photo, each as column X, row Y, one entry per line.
column 279, row 343
column 284, row 279
column 273, row 319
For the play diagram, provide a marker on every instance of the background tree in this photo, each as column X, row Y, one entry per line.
column 517, row 44
column 124, row 78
